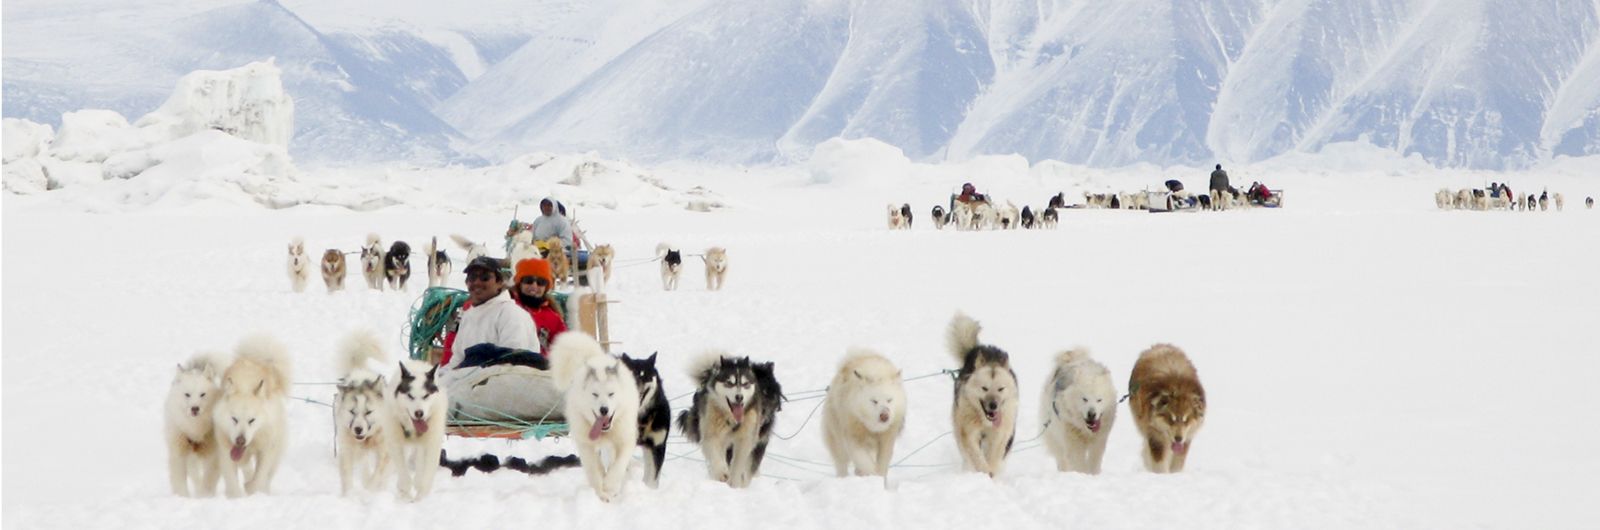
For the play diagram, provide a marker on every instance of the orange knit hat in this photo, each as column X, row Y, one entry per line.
column 534, row 267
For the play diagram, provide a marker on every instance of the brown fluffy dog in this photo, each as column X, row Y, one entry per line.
column 559, row 267
column 1168, row 405
column 333, row 270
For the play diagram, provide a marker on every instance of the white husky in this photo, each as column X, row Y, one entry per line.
column 716, row 259
column 863, row 414
column 418, row 407
column 1077, row 410
column 372, row 262
column 299, row 265
column 249, row 417
column 191, row 449
column 364, row 436
column 602, row 407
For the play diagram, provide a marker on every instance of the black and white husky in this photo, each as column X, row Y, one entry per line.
column 364, row 438
column 735, row 404
column 985, row 409
column 671, row 266
column 655, row 415
column 418, row 406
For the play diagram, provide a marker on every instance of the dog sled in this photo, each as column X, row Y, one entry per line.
column 511, row 400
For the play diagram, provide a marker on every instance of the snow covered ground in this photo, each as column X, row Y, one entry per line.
column 1370, row 362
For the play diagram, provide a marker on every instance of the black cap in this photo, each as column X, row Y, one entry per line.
column 486, row 263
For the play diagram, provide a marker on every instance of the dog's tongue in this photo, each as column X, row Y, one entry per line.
column 994, row 417
column 599, row 427
column 1094, row 426
column 419, row 425
column 237, row 452
column 1178, row 447
column 738, row 412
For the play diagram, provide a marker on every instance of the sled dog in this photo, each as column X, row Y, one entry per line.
column 671, row 266
column 1077, row 410
column 364, row 438
column 735, row 404
column 600, row 259
column 1168, row 405
column 897, row 220
column 417, row 407
column 864, row 413
column 438, row 263
column 299, row 265
column 1049, row 218
column 333, row 270
column 248, row 418
column 655, row 415
column 716, row 259
column 938, row 217
column 985, row 409
column 397, row 265
column 602, row 407
column 560, row 266
column 372, row 262
column 191, row 449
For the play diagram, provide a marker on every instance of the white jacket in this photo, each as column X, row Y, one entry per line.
column 498, row 321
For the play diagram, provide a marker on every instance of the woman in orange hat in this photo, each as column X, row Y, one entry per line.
column 532, row 292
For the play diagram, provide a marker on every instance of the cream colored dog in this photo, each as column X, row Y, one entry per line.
column 1077, row 409
column 299, row 265
column 863, row 414
column 716, row 259
column 192, row 455
column 249, row 418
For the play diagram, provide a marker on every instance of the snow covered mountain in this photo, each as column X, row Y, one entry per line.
column 1465, row 83
column 362, row 92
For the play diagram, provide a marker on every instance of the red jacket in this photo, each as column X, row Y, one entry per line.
column 547, row 321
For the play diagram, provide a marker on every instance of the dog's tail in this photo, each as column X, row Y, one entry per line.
column 462, row 241
column 267, row 351
column 962, row 335
column 358, row 348
column 569, row 353
column 703, row 363
column 1077, row 353
column 298, row 242
column 662, row 249
column 373, row 241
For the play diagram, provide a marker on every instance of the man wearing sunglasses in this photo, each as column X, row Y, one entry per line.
column 532, row 292
column 489, row 316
